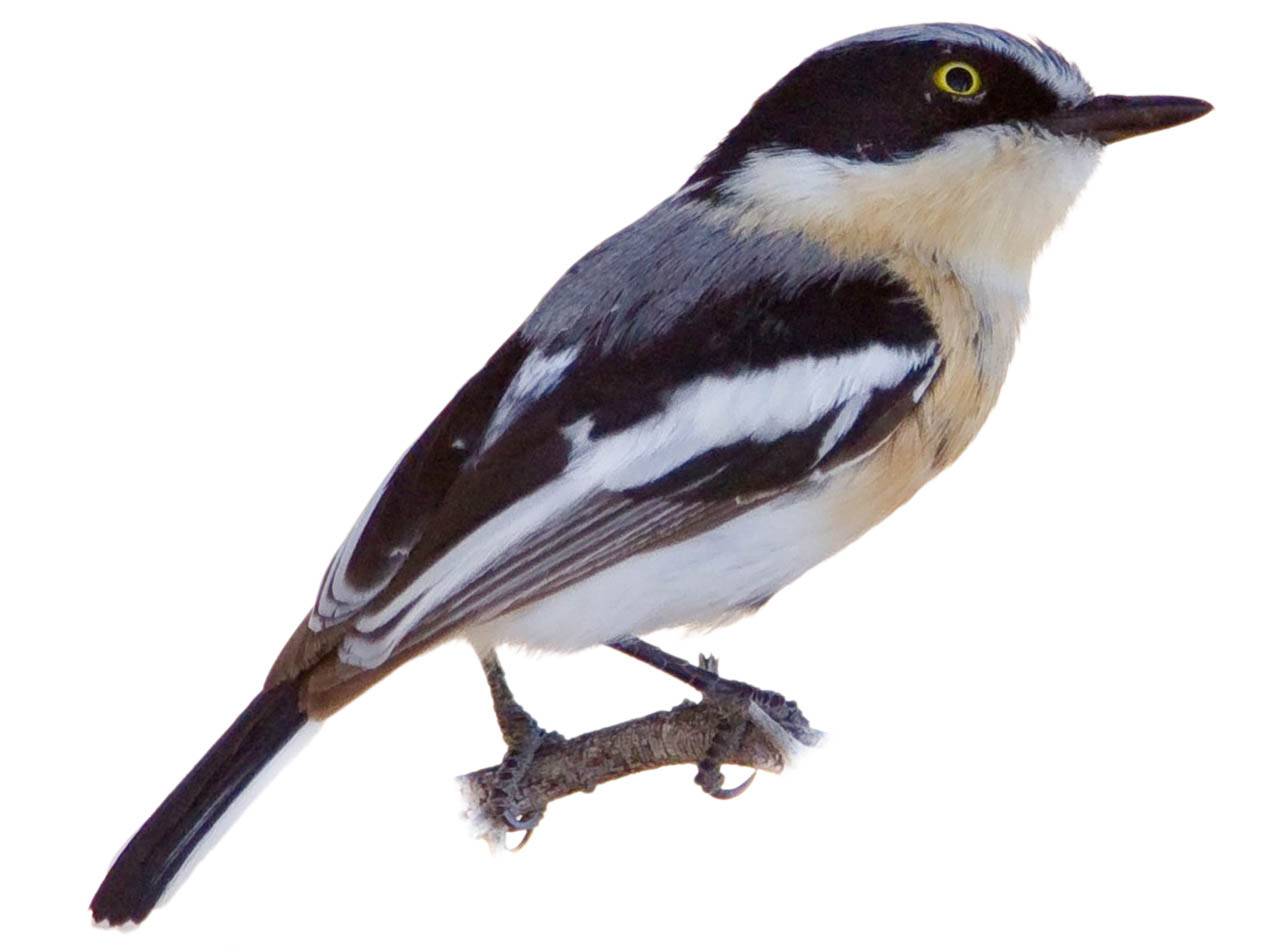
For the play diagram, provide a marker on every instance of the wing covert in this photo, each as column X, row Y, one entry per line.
column 588, row 457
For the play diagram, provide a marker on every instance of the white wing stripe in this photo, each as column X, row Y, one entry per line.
column 457, row 567
column 711, row 412
column 717, row 411
column 846, row 418
column 338, row 598
column 538, row 375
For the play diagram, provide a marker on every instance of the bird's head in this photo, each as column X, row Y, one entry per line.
column 952, row 141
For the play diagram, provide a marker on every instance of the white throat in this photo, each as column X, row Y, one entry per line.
column 978, row 209
column 984, row 202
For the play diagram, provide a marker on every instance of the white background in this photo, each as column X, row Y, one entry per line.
column 248, row 250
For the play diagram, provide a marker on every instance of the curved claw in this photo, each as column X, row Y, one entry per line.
column 514, row 821
column 524, row 839
column 733, row 792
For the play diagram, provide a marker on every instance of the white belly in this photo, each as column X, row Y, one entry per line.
column 699, row 581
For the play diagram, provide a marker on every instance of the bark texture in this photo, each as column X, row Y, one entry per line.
column 687, row 734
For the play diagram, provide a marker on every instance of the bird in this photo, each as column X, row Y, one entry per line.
column 713, row 400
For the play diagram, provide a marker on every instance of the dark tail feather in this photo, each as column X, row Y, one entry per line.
column 147, row 864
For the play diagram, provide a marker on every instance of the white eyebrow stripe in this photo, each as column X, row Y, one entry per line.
column 1045, row 63
column 711, row 412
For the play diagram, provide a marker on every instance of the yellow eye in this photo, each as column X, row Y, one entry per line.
column 959, row 79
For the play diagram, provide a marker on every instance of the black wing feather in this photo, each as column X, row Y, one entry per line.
column 451, row 483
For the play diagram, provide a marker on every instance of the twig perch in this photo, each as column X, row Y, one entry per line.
column 683, row 735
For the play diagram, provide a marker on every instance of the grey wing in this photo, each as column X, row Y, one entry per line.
column 573, row 451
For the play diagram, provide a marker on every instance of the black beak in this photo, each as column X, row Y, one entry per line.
column 1107, row 119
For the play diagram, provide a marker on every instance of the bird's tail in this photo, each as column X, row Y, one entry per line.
column 167, row 839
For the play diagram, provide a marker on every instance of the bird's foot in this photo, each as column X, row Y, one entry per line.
column 508, row 809
column 740, row 706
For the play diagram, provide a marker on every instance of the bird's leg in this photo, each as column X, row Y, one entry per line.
column 739, row 704
column 524, row 738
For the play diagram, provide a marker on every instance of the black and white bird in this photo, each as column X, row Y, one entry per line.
column 713, row 400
